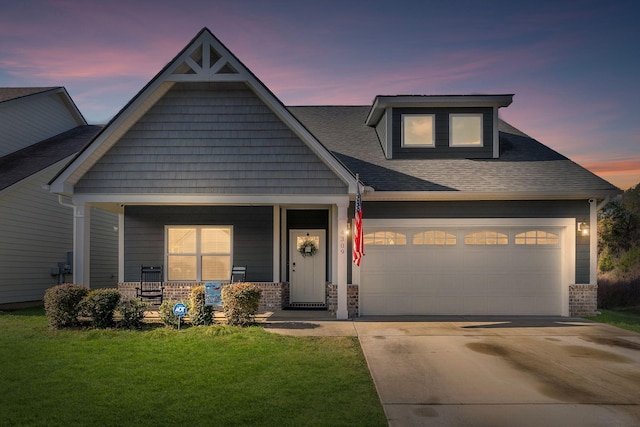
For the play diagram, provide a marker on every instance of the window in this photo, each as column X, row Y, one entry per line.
column 465, row 130
column 434, row 238
column 486, row 238
column 385, row 238
column 536, row 237
column 418, row 130
column 198, row 253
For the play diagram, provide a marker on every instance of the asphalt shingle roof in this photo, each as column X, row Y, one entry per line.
column 23, row 163
column 524, row 166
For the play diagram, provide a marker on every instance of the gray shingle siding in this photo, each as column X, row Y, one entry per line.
column 210, row 138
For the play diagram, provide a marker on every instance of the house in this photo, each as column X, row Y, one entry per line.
column 463, row 213
column 40, row 130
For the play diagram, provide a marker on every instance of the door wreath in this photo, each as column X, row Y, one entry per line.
column 307, row 248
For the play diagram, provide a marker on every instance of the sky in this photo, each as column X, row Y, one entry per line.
column 572, row 65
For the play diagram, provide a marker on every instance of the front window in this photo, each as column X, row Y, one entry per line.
column 418, row 130
column 465, row 130
column 198, row 253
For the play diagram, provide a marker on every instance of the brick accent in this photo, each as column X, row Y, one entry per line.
column 352, row 300
column 583, row 300
column 274, row 295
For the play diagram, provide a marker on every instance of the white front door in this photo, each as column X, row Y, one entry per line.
column 307, row 266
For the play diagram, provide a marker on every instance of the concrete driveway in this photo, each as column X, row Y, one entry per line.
column 495, row 371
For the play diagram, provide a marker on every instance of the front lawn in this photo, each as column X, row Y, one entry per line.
column 625, row 318
column 216, row 375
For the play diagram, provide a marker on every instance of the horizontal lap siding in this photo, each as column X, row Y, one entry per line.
column 210, row 138
column 36, row 234
column 28, row 121
column 252, row 235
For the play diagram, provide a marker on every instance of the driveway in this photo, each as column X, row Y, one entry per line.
column 466, row 371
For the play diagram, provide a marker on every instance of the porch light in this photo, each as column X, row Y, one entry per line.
column 583, row 228
column 348, row 229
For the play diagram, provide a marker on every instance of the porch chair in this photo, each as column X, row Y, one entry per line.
column 151, row 287
column 238, row 273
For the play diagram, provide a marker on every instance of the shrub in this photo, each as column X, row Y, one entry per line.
column 618, row 293
column 100, row 305
column 62, row 304
column 240, row 302
column 606, row 262
column 200, row 314
column 131, row 313
column 165, row 312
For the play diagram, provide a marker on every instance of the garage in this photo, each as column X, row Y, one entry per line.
column 466, row 267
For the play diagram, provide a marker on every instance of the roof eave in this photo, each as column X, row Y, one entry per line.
column 381, row 103
column 433, row 196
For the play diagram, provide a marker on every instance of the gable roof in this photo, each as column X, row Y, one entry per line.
column 526, row 168
column 204, row 59
column 10, row 93
column 23, row 163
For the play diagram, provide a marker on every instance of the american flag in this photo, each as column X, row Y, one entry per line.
column 358, row 235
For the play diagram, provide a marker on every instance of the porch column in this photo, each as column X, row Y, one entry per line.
column 276, row 243
column 342, row 312
column 81, row 244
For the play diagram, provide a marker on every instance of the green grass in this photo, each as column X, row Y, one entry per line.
column 217, row 375
column 625, row 318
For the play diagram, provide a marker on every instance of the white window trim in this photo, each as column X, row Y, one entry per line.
column 451, row 117
column 198, row 254
column 433, row 131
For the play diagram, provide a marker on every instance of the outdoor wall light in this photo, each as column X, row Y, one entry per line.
column 348, row 229
column 583, row 228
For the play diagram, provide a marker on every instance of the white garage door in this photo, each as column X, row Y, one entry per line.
column 462, row 270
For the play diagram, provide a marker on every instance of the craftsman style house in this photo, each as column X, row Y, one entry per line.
column 40, row 131
column 463, row 213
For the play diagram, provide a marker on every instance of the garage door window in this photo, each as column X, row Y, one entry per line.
column 536, row 237
column 435, row 237
column 385, row 238
column 486, row 238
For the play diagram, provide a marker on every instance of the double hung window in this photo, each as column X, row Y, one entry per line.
column 198, row 253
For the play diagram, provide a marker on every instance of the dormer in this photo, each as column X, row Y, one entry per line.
column 438, row 126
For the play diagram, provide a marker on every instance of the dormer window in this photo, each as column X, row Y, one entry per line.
column 418, row 130
column 465, row 130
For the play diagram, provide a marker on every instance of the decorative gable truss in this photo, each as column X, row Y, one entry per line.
column 204, row 59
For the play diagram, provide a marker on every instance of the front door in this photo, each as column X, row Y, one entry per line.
column 307, row 266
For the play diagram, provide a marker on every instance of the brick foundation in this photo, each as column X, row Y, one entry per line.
column 583, row 300
column 352, row 300
column 274, row 295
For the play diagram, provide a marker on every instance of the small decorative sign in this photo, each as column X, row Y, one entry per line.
column 180, row 309
column 213, row 294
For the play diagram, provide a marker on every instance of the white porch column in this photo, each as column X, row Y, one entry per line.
column 121, row 245
column 341, row 249
column 276, row 243
column 593, row 242
column 81, row 244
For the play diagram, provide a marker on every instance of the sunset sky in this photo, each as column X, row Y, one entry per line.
column 572, row 65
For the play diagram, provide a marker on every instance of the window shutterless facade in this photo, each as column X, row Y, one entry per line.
column 198, row 253
column 418, row 130
column 465, row 130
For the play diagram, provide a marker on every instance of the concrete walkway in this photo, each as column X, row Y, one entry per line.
column 468, row 371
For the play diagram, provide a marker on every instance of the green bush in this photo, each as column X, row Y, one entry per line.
column 629, row 259
column 100, row 305
column 240, row 302
column 131, row 313
column 165, row 312
column 62, row 304
column 606, row 262
column 199, row 313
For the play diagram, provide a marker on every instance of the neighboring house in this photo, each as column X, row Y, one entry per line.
column 463, row 214
column 40, row 130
